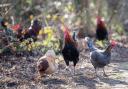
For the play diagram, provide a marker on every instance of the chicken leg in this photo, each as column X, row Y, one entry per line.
column 67, row 66
column 74, row 70
column 104, row 73
column 96, row 72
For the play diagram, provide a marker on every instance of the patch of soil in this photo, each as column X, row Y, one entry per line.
column 20, row 73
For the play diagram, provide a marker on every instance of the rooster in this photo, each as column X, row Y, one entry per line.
column 99, row 58
column 47, row 64
column 101, row 30
column 33, row 31
column 69, row 51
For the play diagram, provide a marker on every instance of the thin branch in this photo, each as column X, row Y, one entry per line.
column 11, row 8
column 99, row 7
column 2, row 10
column 5, row 5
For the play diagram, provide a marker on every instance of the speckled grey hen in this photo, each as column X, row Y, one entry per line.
column 99, row 58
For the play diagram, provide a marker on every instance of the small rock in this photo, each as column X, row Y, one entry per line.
column 11, row 84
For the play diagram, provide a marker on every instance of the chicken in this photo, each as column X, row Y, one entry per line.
column 47, row 63
column 33, row 31
column 70, row 51
column 99, row 58
column 101, row 32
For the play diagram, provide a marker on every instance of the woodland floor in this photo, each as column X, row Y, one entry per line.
column 20, row 73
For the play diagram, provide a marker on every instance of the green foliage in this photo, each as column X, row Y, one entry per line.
column 119, row 29
column 116, row 36
column 87, row 16
column 29, row 2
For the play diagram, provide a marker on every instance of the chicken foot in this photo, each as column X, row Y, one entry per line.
column 96, row 72
column 104, row 73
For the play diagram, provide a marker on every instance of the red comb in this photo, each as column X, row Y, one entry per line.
column 98, row 17
column 65, row 27
column 15, row 27
column 100, row 21
column 67, row 35
column 113, row 42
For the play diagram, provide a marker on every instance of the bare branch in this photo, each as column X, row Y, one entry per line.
column 10, row 8
column 5, row 5
column 2, row 10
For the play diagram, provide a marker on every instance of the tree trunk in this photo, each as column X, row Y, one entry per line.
column 85, row 26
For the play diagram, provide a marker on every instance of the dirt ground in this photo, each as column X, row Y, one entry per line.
column 20, row 73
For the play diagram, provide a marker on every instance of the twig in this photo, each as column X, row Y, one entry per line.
column 2, row 8
column 5, row 5
column 99, row 6
column 10, row 8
